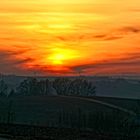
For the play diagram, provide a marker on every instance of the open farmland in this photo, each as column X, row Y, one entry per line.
column 45, row 110
column 102, row 115
column 130, row 104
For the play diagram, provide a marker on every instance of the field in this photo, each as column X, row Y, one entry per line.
column 39, row 109
column 130, row 104
column 101, row 114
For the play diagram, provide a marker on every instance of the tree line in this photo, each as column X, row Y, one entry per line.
column 59, row 86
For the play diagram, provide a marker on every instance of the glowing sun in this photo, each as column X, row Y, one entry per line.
column 62, row 56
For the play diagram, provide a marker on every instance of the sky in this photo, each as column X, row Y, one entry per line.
column 68, row 37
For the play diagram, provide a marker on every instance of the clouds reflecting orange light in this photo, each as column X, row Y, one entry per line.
column 66, row 37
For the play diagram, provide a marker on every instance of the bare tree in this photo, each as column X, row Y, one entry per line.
column 82, row 87
column 3, row 88
column 62, row 86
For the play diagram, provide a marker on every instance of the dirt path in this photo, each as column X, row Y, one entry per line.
column 103, row 103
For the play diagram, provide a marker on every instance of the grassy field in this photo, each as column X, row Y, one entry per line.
column 130, row 104
column 55, row 111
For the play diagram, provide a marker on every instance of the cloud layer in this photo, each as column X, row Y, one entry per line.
column 102, row 36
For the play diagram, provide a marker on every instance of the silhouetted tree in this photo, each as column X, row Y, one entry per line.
column 12, row 93
column 43, row 87
column 82, row 87
column 23, row 88
column 32, row 86
column 28, row 87
column 3, row 88
column 65, row 86
column 62, row 86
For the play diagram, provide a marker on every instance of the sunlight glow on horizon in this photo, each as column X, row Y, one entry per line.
column 62, row 56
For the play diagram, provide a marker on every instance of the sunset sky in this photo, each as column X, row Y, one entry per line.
column 67, row 37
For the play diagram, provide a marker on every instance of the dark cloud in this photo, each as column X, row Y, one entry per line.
column 23, row 61
column 114, row 34
column 9, row 63
column 132, row 60
column 129, row 63
column 11, row 53
column 118, row 33
column 107, row 37
column 130, row 29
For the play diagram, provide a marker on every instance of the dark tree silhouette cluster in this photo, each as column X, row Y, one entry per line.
column 82, row 87
column 62, row 86
column 31, row 86
column 59, row 86
column 78, row 86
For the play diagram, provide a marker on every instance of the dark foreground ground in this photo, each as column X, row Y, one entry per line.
column 52, row 110
column 69, row 118
column 29, row 132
